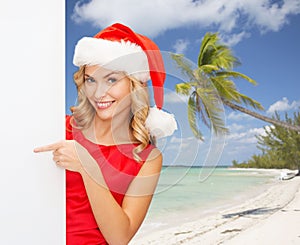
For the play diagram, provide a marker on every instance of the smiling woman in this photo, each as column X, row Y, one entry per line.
column 106, row 91
column 109, row 153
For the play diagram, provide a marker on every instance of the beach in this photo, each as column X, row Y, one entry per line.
column 269, row 215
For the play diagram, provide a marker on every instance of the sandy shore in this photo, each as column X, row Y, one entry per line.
column 272, row 217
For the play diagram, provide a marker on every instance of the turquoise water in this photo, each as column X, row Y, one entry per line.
column 184, row 189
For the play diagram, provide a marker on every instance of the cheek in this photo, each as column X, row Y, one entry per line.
column 88, row 91
column 123, row 95
column 121, row 90
column 123, row 98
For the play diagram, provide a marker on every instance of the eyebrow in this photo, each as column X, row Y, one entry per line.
column 111, row 73
column 107, row 75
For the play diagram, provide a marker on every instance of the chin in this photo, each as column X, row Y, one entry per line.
column 104, row 116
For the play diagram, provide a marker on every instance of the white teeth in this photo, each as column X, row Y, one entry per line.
column 104, row 104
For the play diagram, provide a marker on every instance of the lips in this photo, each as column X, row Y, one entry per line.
column 104, row 104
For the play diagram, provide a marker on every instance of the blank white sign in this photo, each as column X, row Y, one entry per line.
column 32, row 206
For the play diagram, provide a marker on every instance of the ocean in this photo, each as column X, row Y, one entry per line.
column 201, row 191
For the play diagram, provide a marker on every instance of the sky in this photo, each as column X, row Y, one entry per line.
column 264, row 35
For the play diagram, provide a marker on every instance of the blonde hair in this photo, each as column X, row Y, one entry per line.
column 84, row 112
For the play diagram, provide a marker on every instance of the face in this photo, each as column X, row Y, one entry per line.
column 108, row 92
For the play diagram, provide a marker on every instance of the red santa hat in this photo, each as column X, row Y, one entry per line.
column 117, row 47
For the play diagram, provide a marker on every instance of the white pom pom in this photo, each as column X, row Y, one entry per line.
column 160, row 123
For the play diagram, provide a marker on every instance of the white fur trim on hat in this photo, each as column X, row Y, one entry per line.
column 113, row 55
column 160, row 123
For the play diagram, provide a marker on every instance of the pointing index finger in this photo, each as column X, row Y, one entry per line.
column 51, row 147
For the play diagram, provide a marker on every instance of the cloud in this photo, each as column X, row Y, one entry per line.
column 173, row 97
column 155, row 17
column 241, row 143
column 238, row 137
column 188, row 140
column 233, row 39
column 238, row 116
column 243, row 140
column 181, row 45
column 270, row 16
column 235, row 127
column 243, row 135
column 181, row 150
column 283, row 105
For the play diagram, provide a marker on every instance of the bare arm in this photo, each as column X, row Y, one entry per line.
column 119, row 224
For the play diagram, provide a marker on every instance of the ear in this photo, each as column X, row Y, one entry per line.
column 143, row 84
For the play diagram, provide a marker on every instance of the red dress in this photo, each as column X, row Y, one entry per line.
column 118, row 168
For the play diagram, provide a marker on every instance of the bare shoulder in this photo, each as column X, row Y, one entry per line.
column 152, row 164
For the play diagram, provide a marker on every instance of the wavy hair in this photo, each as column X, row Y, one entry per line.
column 83, row 113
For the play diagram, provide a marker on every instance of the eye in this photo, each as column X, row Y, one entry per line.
column 112, row 80
column 89, row 80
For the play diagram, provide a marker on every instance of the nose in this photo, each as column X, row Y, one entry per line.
column 101, row 90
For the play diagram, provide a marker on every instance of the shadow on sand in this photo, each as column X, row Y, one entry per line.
column 255, row 211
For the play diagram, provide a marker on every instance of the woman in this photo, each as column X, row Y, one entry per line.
column 112, row 168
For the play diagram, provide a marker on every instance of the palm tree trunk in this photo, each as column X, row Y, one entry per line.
column 261, row 117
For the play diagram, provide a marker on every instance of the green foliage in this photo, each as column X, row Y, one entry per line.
column 210, row 85
column 204, row 103
column 215, row 54
column 183, row 88
column 217, row 61
column 193, row 112
column 280, row 147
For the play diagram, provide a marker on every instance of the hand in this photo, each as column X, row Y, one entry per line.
column 64, row 154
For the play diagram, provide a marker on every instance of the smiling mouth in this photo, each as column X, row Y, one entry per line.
column 104, row 105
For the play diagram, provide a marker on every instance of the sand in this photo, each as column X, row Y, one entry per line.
column 272, row 217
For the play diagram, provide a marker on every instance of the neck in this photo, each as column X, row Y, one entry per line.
column 111, row 132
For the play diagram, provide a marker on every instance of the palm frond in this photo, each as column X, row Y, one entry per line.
column 207, row 46
column 224, row 58
column 244, row 99
column 192, row 116
column 214, row 53
column 208, row 68
column 211, row 85
column 225, row 88
column 235, row 74
column 183, row 88
column 213, row 109
column 184, row 65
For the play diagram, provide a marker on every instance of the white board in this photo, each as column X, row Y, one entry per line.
column 32, row 206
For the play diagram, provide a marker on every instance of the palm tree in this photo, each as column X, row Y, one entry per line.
column 212, row 79
column 203, row 103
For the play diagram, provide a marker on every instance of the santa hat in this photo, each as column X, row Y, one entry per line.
column 117, row 47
